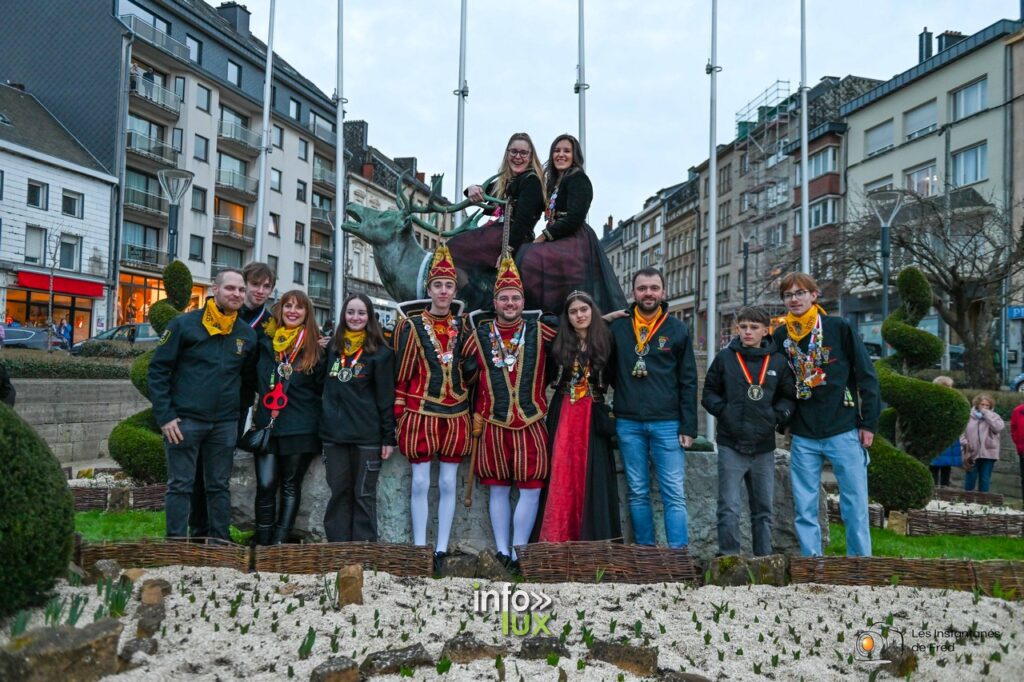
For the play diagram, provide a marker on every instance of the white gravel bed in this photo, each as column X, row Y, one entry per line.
column 102, row 481
column 970, row 508
column 800, row 631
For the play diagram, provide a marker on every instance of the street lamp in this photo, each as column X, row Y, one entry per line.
column 886, row 204
column 175, row 183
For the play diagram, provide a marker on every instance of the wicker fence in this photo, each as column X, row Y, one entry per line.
column 588, row 562
column 972, row 496
column 144, row 497
column 160, row 552
column 876, row 514
column 402, row 560
column 930, row 522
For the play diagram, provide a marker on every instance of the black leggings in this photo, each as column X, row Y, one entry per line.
column 276, row 472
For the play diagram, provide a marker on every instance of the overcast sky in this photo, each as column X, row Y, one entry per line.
column 647, row 106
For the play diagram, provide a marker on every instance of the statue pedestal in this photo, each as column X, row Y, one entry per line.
column 471, row 532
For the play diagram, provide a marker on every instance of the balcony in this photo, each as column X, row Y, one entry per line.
column 233, row 182
column 217, row 266
column 224, row 226
column 319, row 294
column 152, row 149
column 322, row 216
column 155, row 36
column 321, row 254
column 324, row 177
column 145, row 202
column 143, row 257
column 323, row 132
column 154, row 99
column 237, row 136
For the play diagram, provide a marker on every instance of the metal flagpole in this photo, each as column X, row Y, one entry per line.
column 462, row 93
column 340, row 239
column 712, row 246
column 805, row 171
column 581, row 86
column 261, row 201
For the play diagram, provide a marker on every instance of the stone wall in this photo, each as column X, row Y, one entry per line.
column 75, row 416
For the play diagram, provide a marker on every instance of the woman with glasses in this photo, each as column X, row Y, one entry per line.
column 566, row 255
column 519, row 182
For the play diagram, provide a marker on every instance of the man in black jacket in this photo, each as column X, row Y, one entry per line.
column 194, row 383
column 751, row 391
column 655, row 382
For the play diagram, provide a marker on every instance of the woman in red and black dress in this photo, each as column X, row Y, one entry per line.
column 582, row 496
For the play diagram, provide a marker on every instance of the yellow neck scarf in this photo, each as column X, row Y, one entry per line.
column 354, row 341
column 284, row 338
column 800, row 326
column 217, row 322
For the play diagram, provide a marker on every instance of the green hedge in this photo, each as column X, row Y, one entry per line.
column 895, row 479
column 120, row 350
column 1006, row 401
column 160, row 315
column 137, row 445
column 36, row 516
column 178, row 284
column 34, row 364
column 140, row 372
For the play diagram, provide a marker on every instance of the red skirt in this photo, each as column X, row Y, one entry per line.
column 422, row 436
column 506, row 455
column 567, row 489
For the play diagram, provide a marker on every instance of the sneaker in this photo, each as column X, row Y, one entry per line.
column 439, row 558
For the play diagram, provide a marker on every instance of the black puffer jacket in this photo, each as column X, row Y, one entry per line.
column 745, row 425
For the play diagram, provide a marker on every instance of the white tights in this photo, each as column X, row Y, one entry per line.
column 501, row 517
column 445, row 507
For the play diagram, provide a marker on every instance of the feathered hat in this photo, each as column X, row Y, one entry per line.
column 442, row 266
column 508, row 275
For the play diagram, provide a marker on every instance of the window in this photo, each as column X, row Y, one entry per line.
column 275, row 179
column 725, row 178
column 294, row 109
column 822, row 212
column 199, row 199
column 179, row 87
column 225, row 256
column 202, row 151
column 300, row 191
column 72, row 204
column 202, row 97
column 920, row 120
column 878, row 139
column 272, row 262
column 923, row 180
column 275, row 225
column 300, row 233
column 745, row 202
column 303, row 150
column 128, row 7
column 195, row 49
column 744, row 164
column 38, row 194
column 68, row 253
column 970, row 99
column 195, row 248
column 234, row 73
column 970, row 165
column 277, row 136
column 819, row 162
column 777, row 194
column 35, row 241
column 177, row 141
column 297, row 273
column 881, row 183
column 776, row 234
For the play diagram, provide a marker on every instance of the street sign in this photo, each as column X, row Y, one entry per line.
column 1015, row 312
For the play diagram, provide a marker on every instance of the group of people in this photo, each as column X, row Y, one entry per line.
column 453, row 386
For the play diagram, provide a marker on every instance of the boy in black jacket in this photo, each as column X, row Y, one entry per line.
column 751, row 390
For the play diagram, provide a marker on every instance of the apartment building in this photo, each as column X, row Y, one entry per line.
column 682, row 270
column 155, row 84
column 56, row 202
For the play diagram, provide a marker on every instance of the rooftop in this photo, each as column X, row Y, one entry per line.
column 27, row 123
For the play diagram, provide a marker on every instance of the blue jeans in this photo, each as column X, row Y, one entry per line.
column 980, row 474
column 850, row 464
column 215, row 443
column 658, row 441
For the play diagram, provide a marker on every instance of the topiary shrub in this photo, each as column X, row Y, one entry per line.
column 160, row 315
column 178, row 284
column 896, row 480
column 138, row 446
column 37, row 522
column 140, row 372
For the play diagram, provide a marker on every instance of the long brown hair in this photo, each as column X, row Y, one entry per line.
column 505, row 175
column 553, row 176
column 374, row 334
column 310, row 353
column 566, row 347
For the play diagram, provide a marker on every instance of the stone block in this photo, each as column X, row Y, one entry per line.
column 538, row 648
column 350, row 585
column 392, row 661
column 459, row 566
column 133, row 646
column 132, row 575
column 897, row 522
column 465, row 648
column 63, row 653
column 150, row 618
column 336, row 669
column 154, row 590
column 639, row 660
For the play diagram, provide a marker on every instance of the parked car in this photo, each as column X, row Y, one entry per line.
column 144, row 335
column 1018, row 383
column 32, row 337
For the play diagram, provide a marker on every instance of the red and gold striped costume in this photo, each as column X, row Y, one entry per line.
column 431, row 400
column 513, row 444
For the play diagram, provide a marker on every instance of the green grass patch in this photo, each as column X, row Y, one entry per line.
column 97, row 526
column 886, row 543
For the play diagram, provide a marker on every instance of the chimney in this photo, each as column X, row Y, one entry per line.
column 948, row 39
column 356, row 135
column 368, row 171
column 608, row 224
column 421, row 177
column 924, row 44
column 237, row 15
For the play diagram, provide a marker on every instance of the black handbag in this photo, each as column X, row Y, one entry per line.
column 604, row 420
column 257, row 441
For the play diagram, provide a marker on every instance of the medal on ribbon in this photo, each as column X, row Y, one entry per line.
column 345, row 373
column 643, row 333
column 284, row 366
column 754, row 391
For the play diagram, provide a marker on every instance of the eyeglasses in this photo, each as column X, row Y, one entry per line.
column 519, row 152
column 790, row 295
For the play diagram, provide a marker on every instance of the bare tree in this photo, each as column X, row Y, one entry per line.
column 968, row 249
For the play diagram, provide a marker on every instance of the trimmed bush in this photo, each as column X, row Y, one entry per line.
column 112, row 349
column 1006, row 401
column 895, row 480
column 160, row 315
column 178, row 284
column 34, row 364
column 140, row 373
column 137, row 445
column 36, row 516
column 887, row 424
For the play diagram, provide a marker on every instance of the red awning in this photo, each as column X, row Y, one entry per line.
column 61, row 285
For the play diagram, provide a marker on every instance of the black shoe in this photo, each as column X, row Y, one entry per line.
column 439, row 558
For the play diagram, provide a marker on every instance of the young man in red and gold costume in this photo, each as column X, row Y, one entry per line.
column 510, row 353
column 431, row 400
